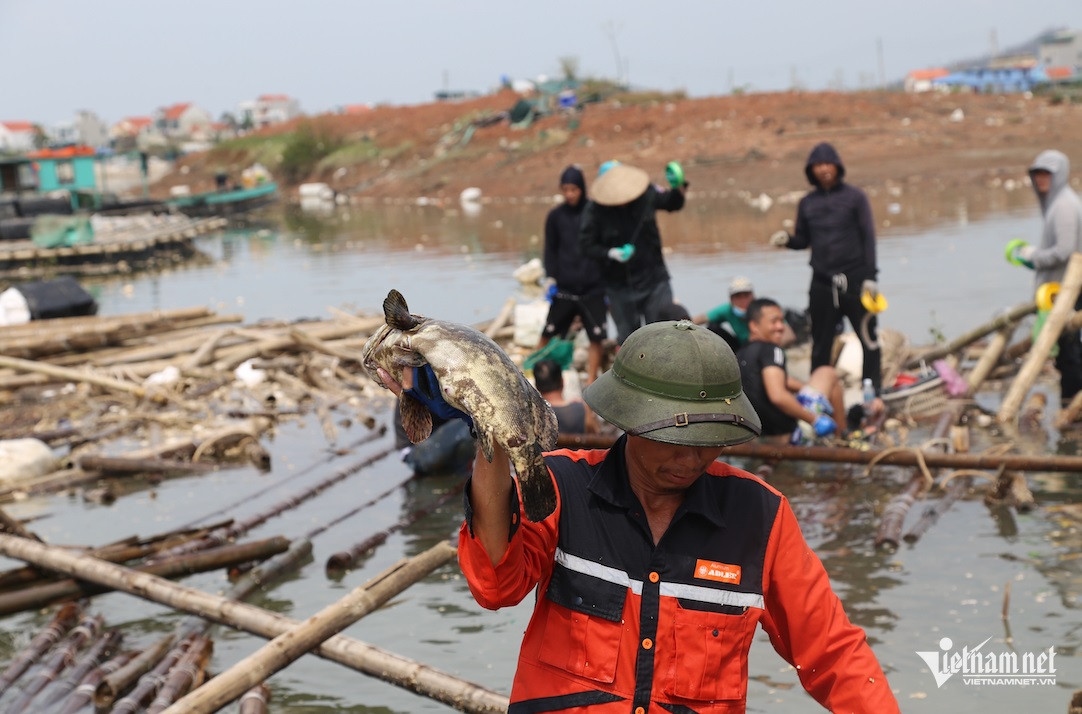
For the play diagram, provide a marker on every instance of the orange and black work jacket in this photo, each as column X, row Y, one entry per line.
column 624, row 625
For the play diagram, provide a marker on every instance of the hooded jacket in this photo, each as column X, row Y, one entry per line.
column 836, row 224
column 1062, row 211
column 574, row 273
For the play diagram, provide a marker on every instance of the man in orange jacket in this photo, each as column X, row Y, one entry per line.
column 659, row 561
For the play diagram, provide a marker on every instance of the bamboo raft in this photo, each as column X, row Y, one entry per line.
column 120, row 245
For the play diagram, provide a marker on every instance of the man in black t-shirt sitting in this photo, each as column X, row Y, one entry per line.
column 779, row 399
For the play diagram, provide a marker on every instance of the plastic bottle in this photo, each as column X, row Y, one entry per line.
column 868, row 391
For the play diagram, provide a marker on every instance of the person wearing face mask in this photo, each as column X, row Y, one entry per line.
column 730, row 320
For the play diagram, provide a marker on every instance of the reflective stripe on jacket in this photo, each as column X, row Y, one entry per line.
column 622, row 625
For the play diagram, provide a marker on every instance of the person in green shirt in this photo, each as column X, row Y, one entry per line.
column 730, row 320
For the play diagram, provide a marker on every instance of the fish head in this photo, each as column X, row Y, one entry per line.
column 389, row 347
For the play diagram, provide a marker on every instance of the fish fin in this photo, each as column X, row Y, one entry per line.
column 406, row 357
column 535, row 484
column 416, row 419
column 397, row 313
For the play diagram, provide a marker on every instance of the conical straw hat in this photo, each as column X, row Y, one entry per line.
column 619, row 185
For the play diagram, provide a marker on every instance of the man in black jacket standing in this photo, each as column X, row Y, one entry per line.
column 835, row 220
column 619, row 228
column 579, row 289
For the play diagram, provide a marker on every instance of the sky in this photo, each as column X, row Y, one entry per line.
column 129, row 57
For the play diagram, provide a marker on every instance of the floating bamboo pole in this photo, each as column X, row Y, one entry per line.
column 115, row 683
column 400, row 671
column 988, row 360
column 844, row 454
column 99, row 650
column 211, row 559
column 185, row 676
column 75, row 375
column 893, row 518
column 255, row 700
column 1062, row 309
column 287, row 647
column 1006, row 320
column 127, row 465
column 146, row 686
column 1026, row 343
column 83, row 696
column 63, row 621
column 61, row 658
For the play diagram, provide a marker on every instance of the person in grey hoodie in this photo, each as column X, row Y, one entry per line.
column 1061, row 237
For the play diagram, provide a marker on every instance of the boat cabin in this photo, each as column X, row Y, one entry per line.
column 69, row 167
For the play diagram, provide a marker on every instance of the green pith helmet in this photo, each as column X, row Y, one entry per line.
column 678, row 383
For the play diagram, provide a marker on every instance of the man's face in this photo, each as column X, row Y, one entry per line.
column 825, row 174
column 741, row 300
column 770, row 327
column 572, row 193
column 1042, row 181
column 661, row 468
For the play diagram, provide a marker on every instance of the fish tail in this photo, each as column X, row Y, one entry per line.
column 538, row 490
column 397, row 313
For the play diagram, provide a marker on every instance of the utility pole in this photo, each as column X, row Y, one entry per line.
column 611, row 30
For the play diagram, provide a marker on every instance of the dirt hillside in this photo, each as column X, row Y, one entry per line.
column 757, row 142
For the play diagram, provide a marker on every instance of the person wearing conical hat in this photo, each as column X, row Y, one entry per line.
column 619, row 228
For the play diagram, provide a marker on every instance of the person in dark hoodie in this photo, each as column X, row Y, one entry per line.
column 619, row 228
column 835, row 220
column 1061, row 237
column 579, row 289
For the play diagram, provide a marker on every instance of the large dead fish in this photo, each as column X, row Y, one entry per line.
column 477, row 377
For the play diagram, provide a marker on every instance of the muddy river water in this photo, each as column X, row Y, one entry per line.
column 943, row 271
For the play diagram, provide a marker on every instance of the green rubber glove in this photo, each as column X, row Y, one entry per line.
column 674, row 173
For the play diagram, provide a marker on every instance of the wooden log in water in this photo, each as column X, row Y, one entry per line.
column 1025, row 344
column 61, row 658
column 14, row 527
column 63, row 621
column 104, row 647
column 75, row 375
column 400, row 671
column 83, row 695
column 212, row 559
column 256, row 700
column 1061, row 311
column 185, row 676
column 230, row 358
column 988, row 360
column 145, row 687
column 1006, row 320
column 127, row 465
column 893, row 518
column 844, row 454
column 287, row 647
column 117, row 682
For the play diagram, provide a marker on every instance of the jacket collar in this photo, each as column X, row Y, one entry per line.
column 610, row 483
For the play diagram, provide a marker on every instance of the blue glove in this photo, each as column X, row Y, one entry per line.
column 824, row 425
column 550, row 294
column 426, row 389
